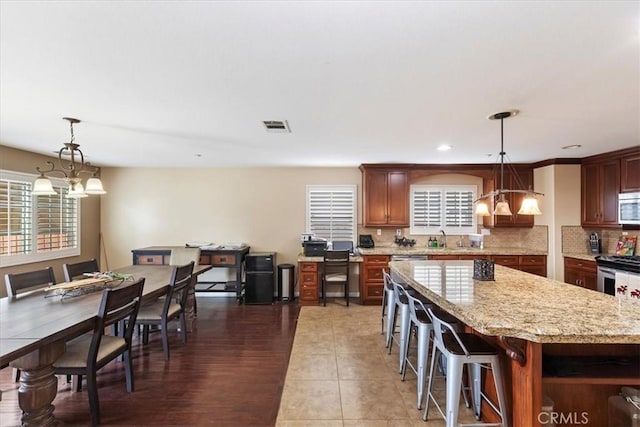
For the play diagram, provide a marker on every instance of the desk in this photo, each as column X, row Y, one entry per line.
column 34, row 329
column 309, row 270
column 530, row 317
column 216, row 258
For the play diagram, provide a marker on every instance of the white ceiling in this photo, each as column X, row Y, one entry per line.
column 158, row 83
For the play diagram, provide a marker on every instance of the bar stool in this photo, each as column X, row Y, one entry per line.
column 388, row 306
column 419, row 318
column 400, row 308
column 460, row 349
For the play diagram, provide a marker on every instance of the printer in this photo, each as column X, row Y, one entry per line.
column 314, row 247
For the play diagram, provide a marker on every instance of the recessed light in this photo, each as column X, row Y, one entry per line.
column 444, row 147
column 571, row 147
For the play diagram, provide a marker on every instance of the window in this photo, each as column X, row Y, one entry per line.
column 331, row 211
column 36, row 228
column 448, row 208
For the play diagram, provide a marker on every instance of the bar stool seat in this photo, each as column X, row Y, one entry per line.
column 460, row 349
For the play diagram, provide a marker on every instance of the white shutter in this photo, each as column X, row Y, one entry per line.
column 36, row 228
column 448, row 208
column 331, row 211
column 57, row 226
column 15, row 217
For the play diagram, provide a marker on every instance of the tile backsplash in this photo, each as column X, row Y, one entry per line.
column 575, row 239
column 535, row 238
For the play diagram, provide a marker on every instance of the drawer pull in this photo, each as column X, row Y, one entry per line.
column 149, row 259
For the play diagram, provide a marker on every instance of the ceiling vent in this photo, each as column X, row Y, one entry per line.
column 277, row 126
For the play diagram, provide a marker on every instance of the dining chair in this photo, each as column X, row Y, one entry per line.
column 88, row 353
column 335, row 272
column 162, row 311
column 29, row 281
column 19, row 283
column 181, row 256
column 71, row 271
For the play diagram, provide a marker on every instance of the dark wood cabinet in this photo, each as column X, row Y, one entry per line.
column 371, row 279
column 385, row 197
column 600, row 188
column 581, row 273
column 534, row 264
column 521, row 180
column 308, row 283
column 630, row 172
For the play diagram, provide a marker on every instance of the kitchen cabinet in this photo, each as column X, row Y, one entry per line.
column 371, row 279
column 308, row 283
column 522, row 179
column 600, row 188
column 385, row 197
column 630, row 172
column 581, row 273
column 534, row 264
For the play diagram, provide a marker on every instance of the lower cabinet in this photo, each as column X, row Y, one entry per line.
column 308, row 283
column 371, row 279
column 581, row 273
column 534, row 264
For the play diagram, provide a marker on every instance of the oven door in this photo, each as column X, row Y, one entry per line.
column 607, row 280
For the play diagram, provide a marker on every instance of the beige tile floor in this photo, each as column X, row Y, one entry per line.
column 341, row 375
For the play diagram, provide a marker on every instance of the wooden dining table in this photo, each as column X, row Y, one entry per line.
column 35, row 327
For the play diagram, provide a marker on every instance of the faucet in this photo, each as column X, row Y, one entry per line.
column 444, row 238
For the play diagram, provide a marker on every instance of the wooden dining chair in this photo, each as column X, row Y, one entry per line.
column 20, row 283
column 88, row 353
column 335, row 272
column 181, row 256
column 71, row 271
column 29, row 281
column 162, row 311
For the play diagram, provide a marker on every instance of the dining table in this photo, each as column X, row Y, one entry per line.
column 34, row 328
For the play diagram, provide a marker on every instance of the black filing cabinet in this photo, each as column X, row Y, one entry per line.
column 260, row 278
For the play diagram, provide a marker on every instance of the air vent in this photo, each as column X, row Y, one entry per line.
column 277, row 126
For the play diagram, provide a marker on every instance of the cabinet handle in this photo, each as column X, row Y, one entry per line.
column 149, row 259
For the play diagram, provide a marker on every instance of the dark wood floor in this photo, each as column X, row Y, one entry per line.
column 230, row 373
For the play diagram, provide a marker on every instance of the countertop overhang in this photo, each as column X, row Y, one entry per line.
column 522, row 305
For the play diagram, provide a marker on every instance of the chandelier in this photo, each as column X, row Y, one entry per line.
column 529, row 202
column 70, row 165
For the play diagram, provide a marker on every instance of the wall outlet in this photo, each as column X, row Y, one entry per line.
column 625, row 233
column 398, row 232
column 379, row 232
column 485, row 232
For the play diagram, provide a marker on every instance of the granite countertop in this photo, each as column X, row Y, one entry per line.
column 582, row 256
column 302, row 258
column 522, row 305
column 423, row 250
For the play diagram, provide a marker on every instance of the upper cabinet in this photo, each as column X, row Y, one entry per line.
column 525, row 176
column 600, row 188
column 385, row 197
column 630, row 172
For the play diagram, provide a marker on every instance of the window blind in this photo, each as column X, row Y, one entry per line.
column 449, row 208
column 36, row 228
column 331, row 212
column 15, row 217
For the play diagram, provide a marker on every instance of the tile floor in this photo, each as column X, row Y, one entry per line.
column 341, row 375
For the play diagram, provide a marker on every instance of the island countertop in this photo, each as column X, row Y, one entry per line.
column 521, row 305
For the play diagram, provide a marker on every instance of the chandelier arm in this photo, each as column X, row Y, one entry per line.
column 52, row 169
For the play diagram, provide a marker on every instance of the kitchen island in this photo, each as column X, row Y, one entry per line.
column 574, row 345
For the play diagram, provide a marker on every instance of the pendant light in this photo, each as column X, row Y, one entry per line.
column 70, row 165
column 529, row 203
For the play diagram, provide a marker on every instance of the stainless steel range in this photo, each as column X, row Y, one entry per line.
column 609, row 265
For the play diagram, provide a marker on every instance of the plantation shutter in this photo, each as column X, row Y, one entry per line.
column 427, row 206
column 331, row 212
column 458, row 208
column 443, row 208
column 15, row 217
column 57, row 221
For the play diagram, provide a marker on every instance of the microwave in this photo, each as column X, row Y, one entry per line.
column 629, row 208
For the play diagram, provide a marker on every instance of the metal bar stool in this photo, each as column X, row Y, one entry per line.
column 419, row 319
column 460, row 349
column 388, row 307
column 401, row 308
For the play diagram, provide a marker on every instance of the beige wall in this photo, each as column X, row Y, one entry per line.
column 24, row 161
column 560, row 207
column 263, row 207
